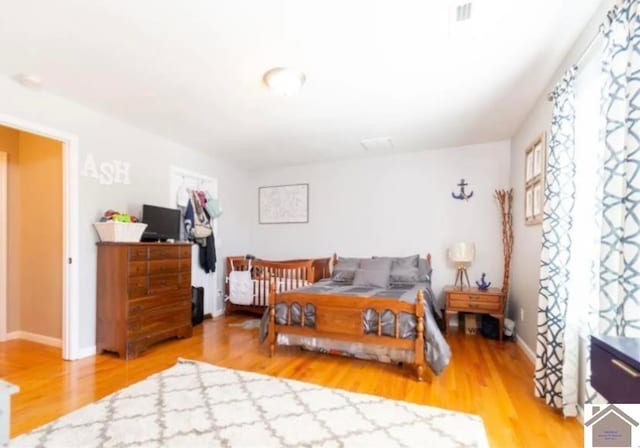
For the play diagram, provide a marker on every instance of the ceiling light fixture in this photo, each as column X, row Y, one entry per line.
column 284, row 81
column 29, row 81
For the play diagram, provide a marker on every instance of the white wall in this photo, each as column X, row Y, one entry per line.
column 525, row 267
column 150, row 157
column 394, row 205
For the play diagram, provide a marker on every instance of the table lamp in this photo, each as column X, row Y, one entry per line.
column 462, row 254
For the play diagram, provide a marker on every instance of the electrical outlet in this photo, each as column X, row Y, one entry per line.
column 521, row 314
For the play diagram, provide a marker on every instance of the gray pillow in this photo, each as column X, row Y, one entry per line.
column 345, row 269
column 404, row 269
column 374, row 272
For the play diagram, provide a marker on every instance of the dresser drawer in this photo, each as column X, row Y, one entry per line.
column 137, row 268
column 159, row 319
column 162, row 283
column 185, row 252
column 163, row 266
column 137, row 287
column 137, row 253
column 613, row 376
column 145, row 305
column 184, row 280
column 185, row 265
column 468, row 305
column 163, row 252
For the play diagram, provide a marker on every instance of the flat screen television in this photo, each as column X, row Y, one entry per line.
column 162, row 223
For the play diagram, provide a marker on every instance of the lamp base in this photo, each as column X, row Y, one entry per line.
column 461, row 275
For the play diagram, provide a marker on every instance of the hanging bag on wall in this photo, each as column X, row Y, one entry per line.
column 241, row 286
column 202, row 230
column 212, row 206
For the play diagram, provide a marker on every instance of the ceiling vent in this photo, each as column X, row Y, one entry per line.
column 461, row 18
column 378, row 144
column 463, row 11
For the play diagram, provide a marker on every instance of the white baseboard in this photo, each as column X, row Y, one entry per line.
column 217, row 313
column 33, row 337
column 85, row 352
column 526, row 349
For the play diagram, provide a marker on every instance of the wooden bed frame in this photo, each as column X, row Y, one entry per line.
column 340, row 317
column 291, row 274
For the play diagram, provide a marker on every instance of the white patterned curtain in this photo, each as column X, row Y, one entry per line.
column 618, row 310
column 575, row 275
column 557, row 341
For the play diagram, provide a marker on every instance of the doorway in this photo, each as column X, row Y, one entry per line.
column 38, row 242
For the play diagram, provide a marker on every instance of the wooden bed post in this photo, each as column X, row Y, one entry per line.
column 334, row 261
column 272, row 316
column 419, row 355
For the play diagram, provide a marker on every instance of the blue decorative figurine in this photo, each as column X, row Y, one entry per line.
column 483, row 285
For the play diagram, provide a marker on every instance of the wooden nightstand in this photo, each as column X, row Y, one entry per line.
column 474, row 300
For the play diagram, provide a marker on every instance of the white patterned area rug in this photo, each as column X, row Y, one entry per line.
column 195, row 404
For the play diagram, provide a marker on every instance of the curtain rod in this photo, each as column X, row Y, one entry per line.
column 611, row 16
column 583, row 55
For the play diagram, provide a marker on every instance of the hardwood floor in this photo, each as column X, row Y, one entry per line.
column 485, row 377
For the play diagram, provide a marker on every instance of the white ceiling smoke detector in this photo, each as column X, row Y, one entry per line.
column 284, row 81
column 378, row 144
column 29, row 81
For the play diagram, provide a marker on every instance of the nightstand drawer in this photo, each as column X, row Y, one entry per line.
column 468, row 305
column 474, row 297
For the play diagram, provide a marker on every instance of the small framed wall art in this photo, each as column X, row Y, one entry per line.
column 283, row 204
column 534, row 169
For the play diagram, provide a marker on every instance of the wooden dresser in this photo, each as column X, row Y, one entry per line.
column 144, row 295
column 615, row 368
column 474, row 300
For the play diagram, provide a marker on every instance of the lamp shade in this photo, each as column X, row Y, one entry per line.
column 462, row 252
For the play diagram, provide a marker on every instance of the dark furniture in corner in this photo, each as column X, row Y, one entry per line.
column 615, row 368
column 144, row 295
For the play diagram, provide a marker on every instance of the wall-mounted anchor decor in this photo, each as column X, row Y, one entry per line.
column 482, row 284
column 462, row 194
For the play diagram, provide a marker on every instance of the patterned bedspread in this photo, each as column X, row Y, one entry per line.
column 437, row 350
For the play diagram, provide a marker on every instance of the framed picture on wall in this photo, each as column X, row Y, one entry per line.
column 283, row 204
column 534, row 170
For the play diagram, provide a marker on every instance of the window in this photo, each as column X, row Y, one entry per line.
column 534, row 169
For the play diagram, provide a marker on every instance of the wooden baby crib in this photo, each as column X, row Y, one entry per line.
column 287, row 275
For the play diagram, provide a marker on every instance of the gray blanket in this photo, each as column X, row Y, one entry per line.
column 437, row 351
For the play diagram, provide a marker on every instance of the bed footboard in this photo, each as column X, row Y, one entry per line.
column 340, row 317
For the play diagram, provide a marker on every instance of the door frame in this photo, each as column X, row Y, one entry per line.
column 70, row 224
column 3, row 242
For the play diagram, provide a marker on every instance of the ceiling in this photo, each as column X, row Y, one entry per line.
column 191, row 70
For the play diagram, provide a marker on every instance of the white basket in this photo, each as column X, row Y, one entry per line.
column 121, row 232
